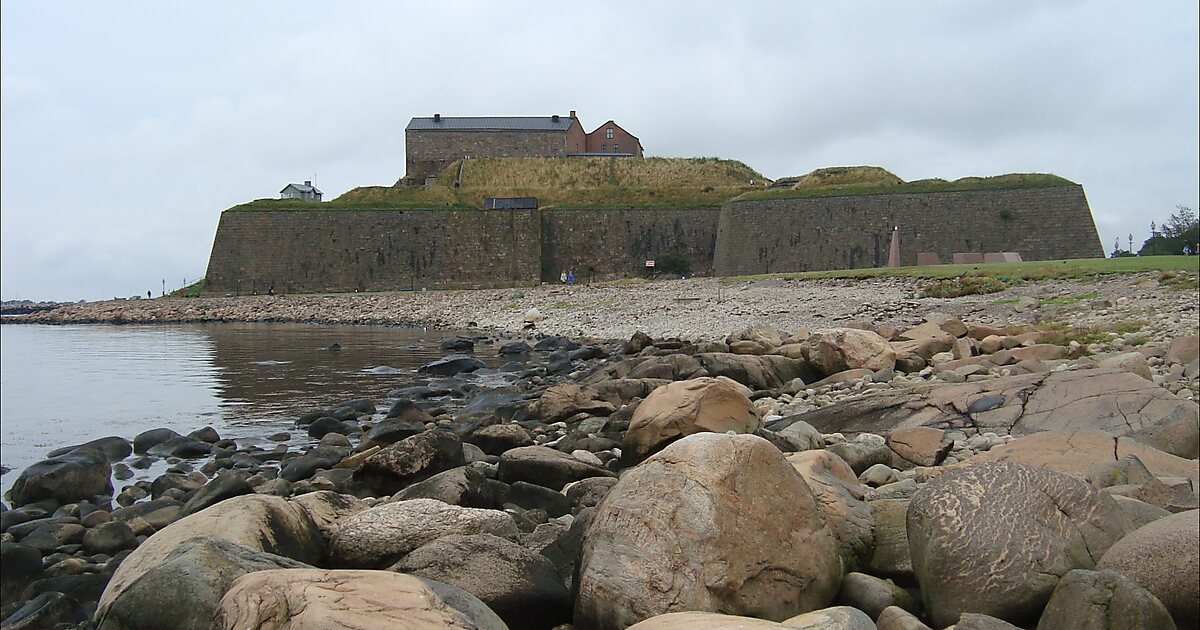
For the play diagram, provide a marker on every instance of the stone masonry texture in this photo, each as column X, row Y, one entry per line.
column 372, row 250
column 818, row 233
column 382, row 250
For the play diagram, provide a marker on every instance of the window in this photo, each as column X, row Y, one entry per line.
column 603, row 148
column 608, row 133
column 616, row 148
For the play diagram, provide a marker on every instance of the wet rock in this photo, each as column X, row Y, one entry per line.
column 587, row 493
column 304, row 467
column 379, row 536
column 1043, row 523
column 672, row 535
column 146, row 439
column 45, row 611
column 410, row 460
column 109, row 538
column 457, row 344
column 224, row 486
column 518, row 585
column 452, row 364
column 183, row 447
column 51, row 535
column 20, row 565
column 494, row 439
column 76, row 475
column 313, row 598
column 534, row 497
column 114, row 448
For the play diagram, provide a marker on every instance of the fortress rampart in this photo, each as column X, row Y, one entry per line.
column 335, row 250
column 818, row 233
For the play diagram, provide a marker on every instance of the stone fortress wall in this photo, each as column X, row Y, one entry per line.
column 817, row 233
column 375, row 250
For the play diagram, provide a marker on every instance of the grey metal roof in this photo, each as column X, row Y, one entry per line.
column 304, row 188
column 491, row 123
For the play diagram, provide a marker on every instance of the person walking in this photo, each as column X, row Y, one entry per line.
column 562, row 277
column 571, row 277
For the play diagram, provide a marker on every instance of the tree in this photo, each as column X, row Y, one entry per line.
column 1180, row 234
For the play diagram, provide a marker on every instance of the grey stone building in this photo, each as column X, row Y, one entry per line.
column 305, row 191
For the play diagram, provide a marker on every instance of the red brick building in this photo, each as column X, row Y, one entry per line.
column 433, row 143
column 611, row 139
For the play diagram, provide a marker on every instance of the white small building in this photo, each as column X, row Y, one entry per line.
column 305, row 191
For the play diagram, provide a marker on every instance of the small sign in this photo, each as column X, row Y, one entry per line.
column 649, row 263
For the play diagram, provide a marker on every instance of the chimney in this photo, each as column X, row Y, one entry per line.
column 554, row 118
column 572, row 113
column 437, row 118
column 308, row 182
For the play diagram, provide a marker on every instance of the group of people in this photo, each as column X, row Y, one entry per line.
column 567, row 277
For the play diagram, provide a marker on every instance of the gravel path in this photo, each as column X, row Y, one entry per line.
column 698, row 308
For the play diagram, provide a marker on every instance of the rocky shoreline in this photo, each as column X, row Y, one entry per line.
column 881, row 461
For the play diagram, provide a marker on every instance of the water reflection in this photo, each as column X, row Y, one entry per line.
column 63, row 385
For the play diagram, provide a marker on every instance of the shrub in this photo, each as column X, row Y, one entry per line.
column 674, row 263
column 966, row 285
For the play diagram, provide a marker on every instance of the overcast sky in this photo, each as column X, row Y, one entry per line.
column 128, row 127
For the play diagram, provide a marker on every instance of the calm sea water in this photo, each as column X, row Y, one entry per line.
column 62, row 385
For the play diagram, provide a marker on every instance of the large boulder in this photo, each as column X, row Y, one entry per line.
column 463, row 486
column 410, row 460
column 833, row 350
column 494, row 439
column 713, row 522
column 328, row 510
column 756, row 372
column 683, row 408
column 1164, row 557
column 262, row 523
column 840, row 498
column 564, row 400
column 995, row 538
column 519, row 585
column 313, row 599
column 77, row 475
column 1103, row 599
column 545, row 466
column 377, row 537
column 187, row 585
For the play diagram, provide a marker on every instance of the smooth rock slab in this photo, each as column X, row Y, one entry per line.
column 312, row 599
column 379, row 536
column 714, row 522
column 995, row 538
column 545, row 466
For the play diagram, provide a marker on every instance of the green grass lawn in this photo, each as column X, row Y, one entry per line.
column 1030, row 270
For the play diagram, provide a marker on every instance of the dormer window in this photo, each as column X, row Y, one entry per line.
column 608, row 133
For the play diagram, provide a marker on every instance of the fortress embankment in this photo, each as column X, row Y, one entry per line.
column 605, row 218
